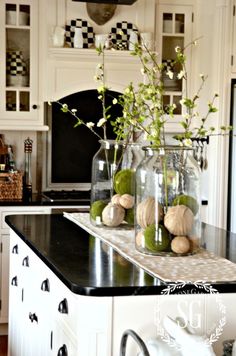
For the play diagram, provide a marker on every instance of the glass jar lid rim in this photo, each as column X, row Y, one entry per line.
column 110, row 141
column 167, row 148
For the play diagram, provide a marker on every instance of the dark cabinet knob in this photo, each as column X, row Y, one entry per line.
column 62, row 351
column 14, row 281
column 25, row 261
column 15, row 249
column 34, row 106
column 63, row 306
column 33, row 317
column 45, row 286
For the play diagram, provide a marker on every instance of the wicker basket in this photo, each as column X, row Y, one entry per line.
column 11, row 186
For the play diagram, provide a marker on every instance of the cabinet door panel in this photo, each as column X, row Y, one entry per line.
column 4, row 263
column 19, row 105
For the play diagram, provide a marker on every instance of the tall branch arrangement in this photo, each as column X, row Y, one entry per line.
column 143, row 105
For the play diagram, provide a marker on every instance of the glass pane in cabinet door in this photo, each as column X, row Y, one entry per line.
column 176, row 101
column 24, row 101
column 167, row 24
column 10, row 100
column 10, row 18
column 166, row 100
column 169, row 44
column 179, row 23
column 172, row 70
column 17, row 57
column 24, row 15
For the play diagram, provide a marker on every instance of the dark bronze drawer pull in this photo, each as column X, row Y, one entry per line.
column 15, row 249
column 63, row 307
column 14, row 281
column 45, row 286
column 25, row 261
column 33, row 317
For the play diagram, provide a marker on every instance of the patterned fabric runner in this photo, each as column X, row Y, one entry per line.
column 203, row 266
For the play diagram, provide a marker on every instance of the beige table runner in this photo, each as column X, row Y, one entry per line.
column 203, row 266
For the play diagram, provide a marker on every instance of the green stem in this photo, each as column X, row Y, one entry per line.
column 165, row 182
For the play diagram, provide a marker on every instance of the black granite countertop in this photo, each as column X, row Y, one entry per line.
column 89, row 267
column 40, row 200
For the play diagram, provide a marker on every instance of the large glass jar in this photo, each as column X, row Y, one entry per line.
column 113, row 180
column 167, row 210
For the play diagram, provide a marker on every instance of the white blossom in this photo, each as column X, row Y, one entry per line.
column 186, row 116
column 65, row 106
column 114, row 101
column 101, row 122
column 181, row 74
column 101, row 89
column 99, row 66
column 177, row 49
column 74, row 111
column 187, row 142
column 202, row 76
column 96, row 78
column 142, row 71
column 170, row 74
column 90, row 124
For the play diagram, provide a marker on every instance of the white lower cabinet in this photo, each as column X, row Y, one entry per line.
column 4, row 251
column 46, row 318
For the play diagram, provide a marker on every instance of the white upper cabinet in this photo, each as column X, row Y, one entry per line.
column 19, row 104
column 233, row 53
column 174, row 29
column 67, row 70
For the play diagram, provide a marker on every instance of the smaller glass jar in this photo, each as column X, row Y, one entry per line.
column 167, row 210
column 113, row 184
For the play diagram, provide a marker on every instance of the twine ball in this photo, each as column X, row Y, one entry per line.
column 139, row 239
column 148, row 211
column 116, row 199
column 187, row 200
column 113, row 215
column 180, row 244
column 179, row 220
column 126, row 201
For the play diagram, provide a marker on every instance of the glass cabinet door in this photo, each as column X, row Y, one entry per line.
column 175, row 30
column 17, row 39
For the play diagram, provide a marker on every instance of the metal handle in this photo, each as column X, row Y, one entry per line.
column 62, row 351
column 137, row 338
column 45, row 286
column 15, row 249
column 63, row 307
column 25, row 261
column 51, row 340
column 33, row 317
column 14, row 281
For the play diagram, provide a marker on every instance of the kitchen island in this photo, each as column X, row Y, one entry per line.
column 81, row 294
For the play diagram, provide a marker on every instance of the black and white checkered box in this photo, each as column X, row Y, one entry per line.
column 15, row 64
column 87, row 32
column 120, row 34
